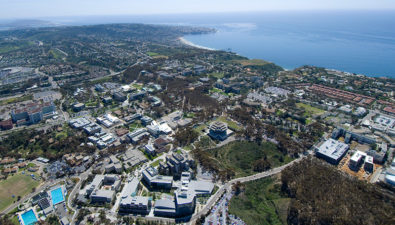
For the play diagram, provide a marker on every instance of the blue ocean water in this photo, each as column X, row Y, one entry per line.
column 353, row 41
column 357, row 42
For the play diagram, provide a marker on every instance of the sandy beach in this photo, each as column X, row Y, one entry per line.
column 186, row 42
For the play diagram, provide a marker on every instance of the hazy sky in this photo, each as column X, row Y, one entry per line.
column 11, row 9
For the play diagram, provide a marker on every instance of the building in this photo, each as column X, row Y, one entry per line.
column 357, row 159
column 390, row 174
column 103, row 188
column 184, row 202
column 175, row 164
column 360, row 111
column 107, row 100
column 132, row 158
column 32, row 113
column 156, row 181
column 138, row 95
column 92, row 129
column 132, row 118
column 332, row 151
column 199, row 69
column 78, row 107
column 165, row 208
column 79, row 123
column 218, row 131
column 130, row 203
column 6, row 124
column 369, row 166
column 145, row 120
column 160, row 144
column 351, row 136
column 118, row 96
column 382, row 123
column 115, row 165
column 137, row 135
column 150, row 150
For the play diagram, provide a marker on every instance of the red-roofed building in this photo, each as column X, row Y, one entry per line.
column 6, row 124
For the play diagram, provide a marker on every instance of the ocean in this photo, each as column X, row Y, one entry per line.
column 356, row 42
column 361, row 42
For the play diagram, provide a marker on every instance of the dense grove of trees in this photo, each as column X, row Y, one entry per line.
column 321, row 194
column 50, row 144
column 185, row 136
column 254, row 129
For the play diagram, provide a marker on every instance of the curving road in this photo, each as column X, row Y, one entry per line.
column 229, row 184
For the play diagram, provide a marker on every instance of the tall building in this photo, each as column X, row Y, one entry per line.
column 32, row 113
column 218, row 130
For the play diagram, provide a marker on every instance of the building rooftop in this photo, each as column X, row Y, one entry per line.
column 333, row 149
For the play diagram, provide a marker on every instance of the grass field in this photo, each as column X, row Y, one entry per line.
column 152, row 54
column 261, row 203
column 252, row 62
column 241, row 155
column 200, row 128
column 216, row 75
column 55, row 53
column 310, row 110
column 17, row 185
column 231, row 124
column 156, row 163
column 16, row 99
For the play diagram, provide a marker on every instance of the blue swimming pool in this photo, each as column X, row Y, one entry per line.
column 57, row 196
column 29, row 217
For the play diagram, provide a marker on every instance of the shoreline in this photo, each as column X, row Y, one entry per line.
column 186, row 42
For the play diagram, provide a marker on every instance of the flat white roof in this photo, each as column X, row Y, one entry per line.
column 333, row 149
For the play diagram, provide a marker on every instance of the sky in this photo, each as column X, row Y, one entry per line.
column 24, row 9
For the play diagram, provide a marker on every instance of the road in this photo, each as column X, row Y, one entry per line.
column 229, row 184
column 75, row 190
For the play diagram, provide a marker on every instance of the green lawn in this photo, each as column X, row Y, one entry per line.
column 137, row 86
column 216, row 75
column 200, row 128
column 252, row 62
column 261, row 203
column 15, row 100
column 19, row 185
column 240, row 156
column 55, row 53
column 152, row 54
column 135, row 126
column 156, row 163
column 231, row 124
column 310, row 110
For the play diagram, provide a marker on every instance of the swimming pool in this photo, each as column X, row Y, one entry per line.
column 57, row 196
column 29, row 217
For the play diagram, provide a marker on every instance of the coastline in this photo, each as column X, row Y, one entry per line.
column 186, row 42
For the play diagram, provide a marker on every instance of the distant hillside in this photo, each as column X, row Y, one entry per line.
column 21, row 24
column 113, row 32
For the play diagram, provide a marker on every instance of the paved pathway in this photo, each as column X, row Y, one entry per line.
column 229, row 184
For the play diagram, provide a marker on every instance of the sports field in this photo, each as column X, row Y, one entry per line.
column 18, row 185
